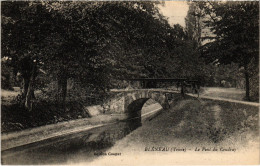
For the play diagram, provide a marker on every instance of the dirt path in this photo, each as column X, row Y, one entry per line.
column 225, row 99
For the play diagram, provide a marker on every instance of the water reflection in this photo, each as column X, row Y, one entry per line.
column 70, row 148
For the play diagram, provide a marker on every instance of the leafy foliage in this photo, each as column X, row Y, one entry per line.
column 230, row 24
column 93, row 43
column 235, row 28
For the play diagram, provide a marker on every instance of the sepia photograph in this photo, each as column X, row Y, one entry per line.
column 129, row 82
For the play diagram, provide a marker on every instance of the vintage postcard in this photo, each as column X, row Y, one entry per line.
column 129, row 82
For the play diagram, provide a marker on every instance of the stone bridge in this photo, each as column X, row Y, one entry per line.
column 128, row 103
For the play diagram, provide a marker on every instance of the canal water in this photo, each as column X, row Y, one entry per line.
column 74, row 148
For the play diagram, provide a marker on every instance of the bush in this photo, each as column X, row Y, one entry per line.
column 16, row 117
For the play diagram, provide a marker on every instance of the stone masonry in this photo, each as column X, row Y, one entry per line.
column 130, row 103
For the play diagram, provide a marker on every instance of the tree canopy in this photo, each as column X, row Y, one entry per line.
column 235, row 29
column 90, row 42
column 99, row 43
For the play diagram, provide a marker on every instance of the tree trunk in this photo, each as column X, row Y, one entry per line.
column 62, row 90
column 247, row 97
column 26, row 81
column 29, row 96
column 30, row 90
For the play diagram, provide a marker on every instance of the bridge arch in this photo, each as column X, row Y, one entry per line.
column 128, row 104
column 134, row 101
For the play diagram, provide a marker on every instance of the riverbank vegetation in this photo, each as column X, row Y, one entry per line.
column 65, row 55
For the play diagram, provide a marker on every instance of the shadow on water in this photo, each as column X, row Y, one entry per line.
column 83, row 146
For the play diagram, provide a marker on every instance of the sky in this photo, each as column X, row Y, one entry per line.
column 176, row 11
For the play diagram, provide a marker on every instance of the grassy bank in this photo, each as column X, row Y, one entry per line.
column 214, row 121
column 192, row 123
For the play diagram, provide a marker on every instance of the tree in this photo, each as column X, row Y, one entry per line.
column 236, row 28
column 194, row 22
column 89, row 42
column 187, row 40
column 104, row 37
column 24, row 26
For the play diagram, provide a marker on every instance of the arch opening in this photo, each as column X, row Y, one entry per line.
column 150, row 108
column 141, row 109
